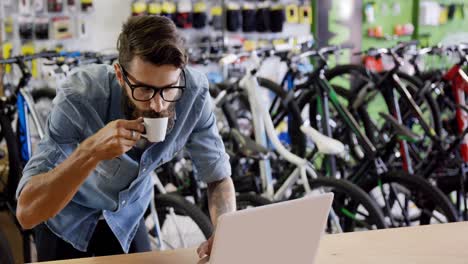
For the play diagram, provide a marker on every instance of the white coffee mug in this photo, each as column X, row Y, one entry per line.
column 155, row 128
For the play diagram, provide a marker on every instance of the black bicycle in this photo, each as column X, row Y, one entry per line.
column 405, row 199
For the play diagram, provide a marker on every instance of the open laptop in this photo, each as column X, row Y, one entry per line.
column 286, row 232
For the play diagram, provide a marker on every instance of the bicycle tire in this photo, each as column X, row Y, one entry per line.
column 416, row 82
column 165, row 202
column 14, row 164
column 426, row 195
column 343, row 190
column 49, row 93
column 246, row 200
column 298, row 139
column 6, row 255
column 430, row 75
column 362, row 112
column 43, row 98
column 431, row 101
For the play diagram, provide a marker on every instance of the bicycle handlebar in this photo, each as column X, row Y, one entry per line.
column 324, row 51
column 91, row 56
column 18, row 59
column 374, row 52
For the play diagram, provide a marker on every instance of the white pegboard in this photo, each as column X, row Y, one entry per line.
column 16, row 12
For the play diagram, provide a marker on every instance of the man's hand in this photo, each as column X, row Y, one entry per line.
column 205, row 248
column 48, row 193
column 115, row 138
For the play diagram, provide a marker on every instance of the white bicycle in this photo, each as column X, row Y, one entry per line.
column 352, row 208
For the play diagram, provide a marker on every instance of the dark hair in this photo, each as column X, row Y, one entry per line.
column 152, row 38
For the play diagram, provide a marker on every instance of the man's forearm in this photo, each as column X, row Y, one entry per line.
column 221, row 198
column 47, row 194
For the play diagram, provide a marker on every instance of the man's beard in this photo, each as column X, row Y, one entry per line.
column 132, row 112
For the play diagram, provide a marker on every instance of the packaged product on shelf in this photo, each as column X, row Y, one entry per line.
column 24, row 7
column 233, row 17
column 139, row 8
column 305, row 14
column 369, row 12
column 248, row 17
column 292, row 13
column 55, row 6
column 61, row 27
column 277, row 18
column 169, row 10
column 86, row 5
column 262, row 17
column 25, row 27
column 82, row 28
column 71, row 5
column 154, row 8
column 199, row 15
column 217, row 17
column 38, row 6
column 41, row 28
column 184, row 16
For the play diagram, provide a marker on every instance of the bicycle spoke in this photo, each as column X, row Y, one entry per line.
column 432, row 216
column 404, row 213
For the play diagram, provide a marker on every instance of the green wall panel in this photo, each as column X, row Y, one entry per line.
column 456, row 29
column 387, row 20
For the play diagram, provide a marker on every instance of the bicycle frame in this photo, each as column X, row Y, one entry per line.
column 25, row 105
column 459, row 81
column 328, row 95
column 459, row 84
column 263, row 123
column 25, row 108
column 373, row 158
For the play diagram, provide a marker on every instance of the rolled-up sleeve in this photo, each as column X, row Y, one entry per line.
column 206, row 147
column 62, row 135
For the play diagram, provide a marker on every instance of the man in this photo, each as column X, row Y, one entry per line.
column 86, row 188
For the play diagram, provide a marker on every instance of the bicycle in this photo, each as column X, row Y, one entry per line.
column 352, row 208
column 395, row 191
column 447, row 165
column 443, row 164
column 388, row 93
column 18, row 152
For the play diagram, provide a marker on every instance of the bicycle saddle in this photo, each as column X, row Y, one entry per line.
column 325, row 145
column 248, row 147
column 400, row 130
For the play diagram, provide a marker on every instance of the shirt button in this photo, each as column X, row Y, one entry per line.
column 123, row 202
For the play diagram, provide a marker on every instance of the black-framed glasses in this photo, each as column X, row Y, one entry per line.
column 143, row 92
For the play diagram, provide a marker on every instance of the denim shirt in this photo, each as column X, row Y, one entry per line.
column 120, row 189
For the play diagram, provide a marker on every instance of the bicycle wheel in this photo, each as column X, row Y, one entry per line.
column 355, row 209
column 6, row 256
column 182, row 224
column 43, row 102
column 12, row 166
column 283, row 103
column 409, row 199
column 249, row 200
column 236, row 111
column 354, row 84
